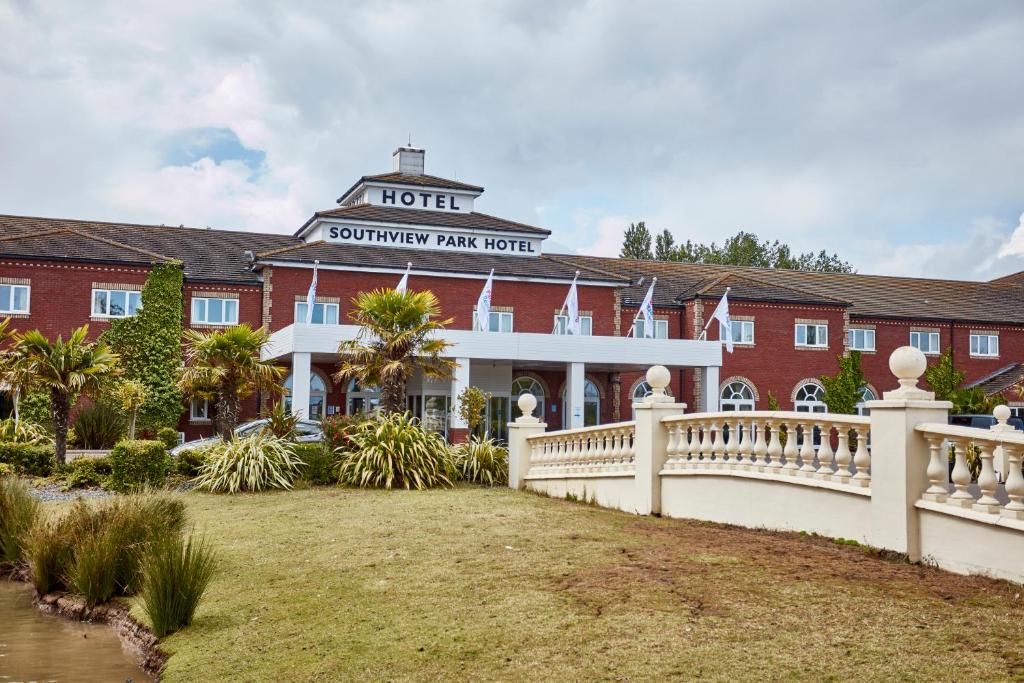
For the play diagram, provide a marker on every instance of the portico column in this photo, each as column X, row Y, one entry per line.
column 574, row 395
column 711, row 390
column 460, row 380
column 300, row 384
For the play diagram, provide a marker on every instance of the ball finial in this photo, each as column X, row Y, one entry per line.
column 527, row 402
column 658, row 377
column 908, row 364
column 1002, row 414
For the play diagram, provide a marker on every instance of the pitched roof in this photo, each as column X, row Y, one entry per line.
column 357, row 255
column 422, row 180
column 210, row 255
column 1011, row 279
column 867, row 295
column 746, row 287
column 1000, row 380
column 472, row 220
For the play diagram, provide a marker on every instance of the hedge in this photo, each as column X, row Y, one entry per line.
column 35, row 461
column 135, row 464
column 319, row 463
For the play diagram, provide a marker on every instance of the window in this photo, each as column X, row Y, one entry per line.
column 361, row 400
column 925, row 342
column 865, row 395
column 214, row 311
column 14, row 298
column 742, row 332
column 862, row 339
column 811, row 335
column 115, row 303
column 586, row 324
column 323, row 314
column 984, row 345
column 660, row 329
column 642, row 390
column 809, row 399
column 737, row 396
column 199, row 411
column 591, row 405
column 528, row 385
column 500, row 321
column 317, row 396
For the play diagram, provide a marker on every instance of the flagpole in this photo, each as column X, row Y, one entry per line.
column 704, row 333
column 555, row 326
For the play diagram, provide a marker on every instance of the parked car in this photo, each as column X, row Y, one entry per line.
column 983, row 421
column 307, row 432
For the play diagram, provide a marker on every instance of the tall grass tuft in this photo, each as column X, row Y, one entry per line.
column 482, row 461
column 92, row 572
column 393, row 451
column 255, row 463
column 47, row 554
column 176, row 573
column 18, row 512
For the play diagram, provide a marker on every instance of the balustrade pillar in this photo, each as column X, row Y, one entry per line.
column 650, row 441
column 520, row 449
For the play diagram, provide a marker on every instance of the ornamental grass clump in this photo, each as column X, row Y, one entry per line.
column 482, row 461
column 393, row 451
column 19, row 510
column 255, row 463
column 176, row 573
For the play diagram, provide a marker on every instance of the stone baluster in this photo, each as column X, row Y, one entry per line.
column 671, row 442
column 843, row 455
column 825, row 453
column 760, row 451
column 693, row 447
column 1014, row 483
column 774, row 453
column 732, row 449
column 862, row 459
column 630, row 450
column 987, row 482
column 807, row 450
column 938, row 470
column 790, row 450
column 618, row 452
column 961, row 475
column 717, row 446
column 705, row 444
column 745, row 445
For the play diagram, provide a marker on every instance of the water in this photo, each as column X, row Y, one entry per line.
column 41, row 647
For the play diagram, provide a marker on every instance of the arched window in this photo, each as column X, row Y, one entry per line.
column 642, row 390
column 528, row 385
column 808, row 399
column 865, row 395
column 591, row 405
column 737, row 396
column 360, row 400
column 317, row 396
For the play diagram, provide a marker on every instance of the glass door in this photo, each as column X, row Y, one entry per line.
column 496, row 419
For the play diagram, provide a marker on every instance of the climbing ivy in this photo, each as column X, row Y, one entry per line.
column 149, row 344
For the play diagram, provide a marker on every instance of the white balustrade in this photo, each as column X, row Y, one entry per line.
column 592, row 450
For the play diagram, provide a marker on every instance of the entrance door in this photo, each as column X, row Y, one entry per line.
column 496, row 419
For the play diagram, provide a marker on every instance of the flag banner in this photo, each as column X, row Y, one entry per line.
column 311, row 295
column 403, row 284
column 647, row 311
column 483, row 305
column 572, row 310
column 722, row 315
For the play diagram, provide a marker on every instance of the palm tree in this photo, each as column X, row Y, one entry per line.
column 397, row 336
column 67, row 369
column 225, row 365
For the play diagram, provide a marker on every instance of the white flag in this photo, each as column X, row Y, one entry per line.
column 403, row 284
column 572, row 310
column 722, row 315
column 483, row 306
column 647, row 311
column 311, row 296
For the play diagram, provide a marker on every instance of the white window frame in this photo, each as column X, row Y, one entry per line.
column 660, row 328
column 10, row 310
column 807, row 406
column 205, row 301
column 993, row 343
column 865, row 331
column 918, row 335
column 866, row 394
column 199, row 416
column 301, row 318
column 586, row 324
column 499, row 317
column 128, row 295
column 736, row 404
column 820, row 334
column 743, row 326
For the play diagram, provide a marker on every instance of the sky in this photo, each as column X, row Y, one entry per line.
column 889, row 132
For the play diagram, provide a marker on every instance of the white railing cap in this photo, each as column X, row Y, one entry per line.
column 780, row 415
column 583, row 430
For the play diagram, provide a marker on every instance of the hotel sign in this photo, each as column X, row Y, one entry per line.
column 434, row 239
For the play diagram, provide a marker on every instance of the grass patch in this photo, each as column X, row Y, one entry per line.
column 489, row 584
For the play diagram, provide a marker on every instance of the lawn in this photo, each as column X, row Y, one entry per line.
column 338, row 584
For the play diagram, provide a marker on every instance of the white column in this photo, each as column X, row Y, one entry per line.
column 650, row 443
column 711, row 395
column 574, row 395
column 460, row 380
column 300, row 384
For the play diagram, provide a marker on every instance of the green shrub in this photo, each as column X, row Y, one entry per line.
column 482, row 461
column 30, row 459
column 393, row 451
column 176, row 573
column 98, row 426
column 168, row 436
column 137, row 464
column 254, row 463
column 188, row 462
column 336, row 428
column 19, row 510
column 6, row 470
column 24, row 432
column 281, row 422
column 319, row 464
column 85, row 472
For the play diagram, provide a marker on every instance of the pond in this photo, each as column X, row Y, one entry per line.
column 41, row 647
